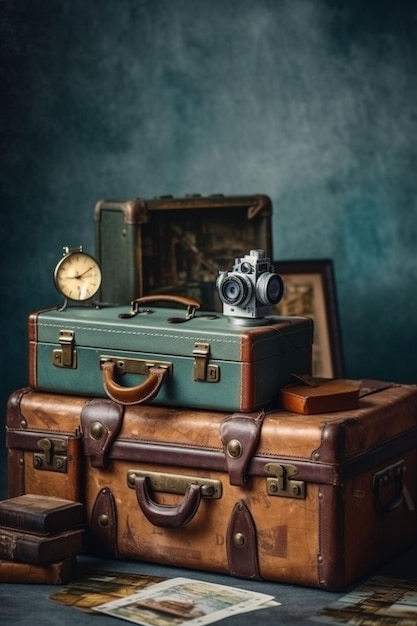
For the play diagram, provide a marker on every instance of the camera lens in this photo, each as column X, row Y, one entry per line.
column 235, row 290
column 270, row 288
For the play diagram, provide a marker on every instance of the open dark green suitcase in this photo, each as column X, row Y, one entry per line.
column 199, row 360
column 176, row 245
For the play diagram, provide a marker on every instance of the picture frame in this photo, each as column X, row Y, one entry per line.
column 310, row 290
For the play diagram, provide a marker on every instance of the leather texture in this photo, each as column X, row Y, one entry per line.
column 240, row 436
column 102, row 534
column 101, row 421
column 242, row 543
column 144, row 392
column 167, row 516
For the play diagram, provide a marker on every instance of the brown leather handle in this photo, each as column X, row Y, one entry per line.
column 177, row 299
column 167, row 516
column 138, row 394
column 190, row 304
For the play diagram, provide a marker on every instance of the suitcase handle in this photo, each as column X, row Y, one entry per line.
column 167, row 516
column 189, row 303
column 138, row 394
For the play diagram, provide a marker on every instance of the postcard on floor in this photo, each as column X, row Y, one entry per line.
column 185, row 601
column 381, row 600
column 95, row 587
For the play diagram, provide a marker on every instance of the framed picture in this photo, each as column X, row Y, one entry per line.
column 310, row 290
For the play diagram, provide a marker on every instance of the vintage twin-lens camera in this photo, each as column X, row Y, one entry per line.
column 250, row 289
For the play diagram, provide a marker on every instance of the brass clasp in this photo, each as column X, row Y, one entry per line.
column 282, row 482
column 203, row 370
column 66, row 355
column 53, row 456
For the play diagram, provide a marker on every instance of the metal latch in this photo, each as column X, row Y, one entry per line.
column 65, row 356
column 282, row 482
column 135, row 366
column 177, row 483
column 203, row 370
column 53, row 456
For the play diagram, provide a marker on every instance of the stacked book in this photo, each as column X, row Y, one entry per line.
column 40, row 537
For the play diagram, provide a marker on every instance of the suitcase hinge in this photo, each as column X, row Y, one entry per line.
column 282, row 482
column 53, row 456
column 203, row 370
column 65, row 356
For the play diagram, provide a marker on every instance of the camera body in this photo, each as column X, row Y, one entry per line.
column 250, row 290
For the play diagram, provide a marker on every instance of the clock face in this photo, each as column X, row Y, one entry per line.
column 78, row 276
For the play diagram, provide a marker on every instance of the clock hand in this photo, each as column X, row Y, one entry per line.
column 85, row 272
column 79, row 275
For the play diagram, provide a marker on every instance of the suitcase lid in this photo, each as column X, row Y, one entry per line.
column 137, row 211
column 325, row 448
column 152, row 332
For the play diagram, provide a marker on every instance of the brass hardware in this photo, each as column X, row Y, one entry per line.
column 234, row 448
column 103, row 520
column 65, row 356
column 177, row 483
column 53, row 456
column 282, row 482
column 96, row 430
column 203, row 370
column 135, row 366
column 239, row 539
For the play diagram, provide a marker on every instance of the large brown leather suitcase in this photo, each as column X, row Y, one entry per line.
column 317, row 500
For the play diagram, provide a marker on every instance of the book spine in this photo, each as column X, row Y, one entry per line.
column 54, row 574
column 24, row 521
column 14, row 548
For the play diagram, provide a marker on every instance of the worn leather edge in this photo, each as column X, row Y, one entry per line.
column 331, row 557
column 15, row 419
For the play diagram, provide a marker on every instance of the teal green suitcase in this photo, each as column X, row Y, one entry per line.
column 162, row 355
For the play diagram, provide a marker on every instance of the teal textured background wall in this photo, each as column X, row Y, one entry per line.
column 311, row 102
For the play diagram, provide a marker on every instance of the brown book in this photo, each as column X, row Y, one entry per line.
column 57, row 573
column 43, row 515
column 323, row 396
column 37, row 549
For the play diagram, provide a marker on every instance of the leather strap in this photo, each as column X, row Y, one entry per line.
column 240, row 435
column 167, row 516
column 101, row 421
column 102, row 535
column 145, row 392
column 241, row 543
